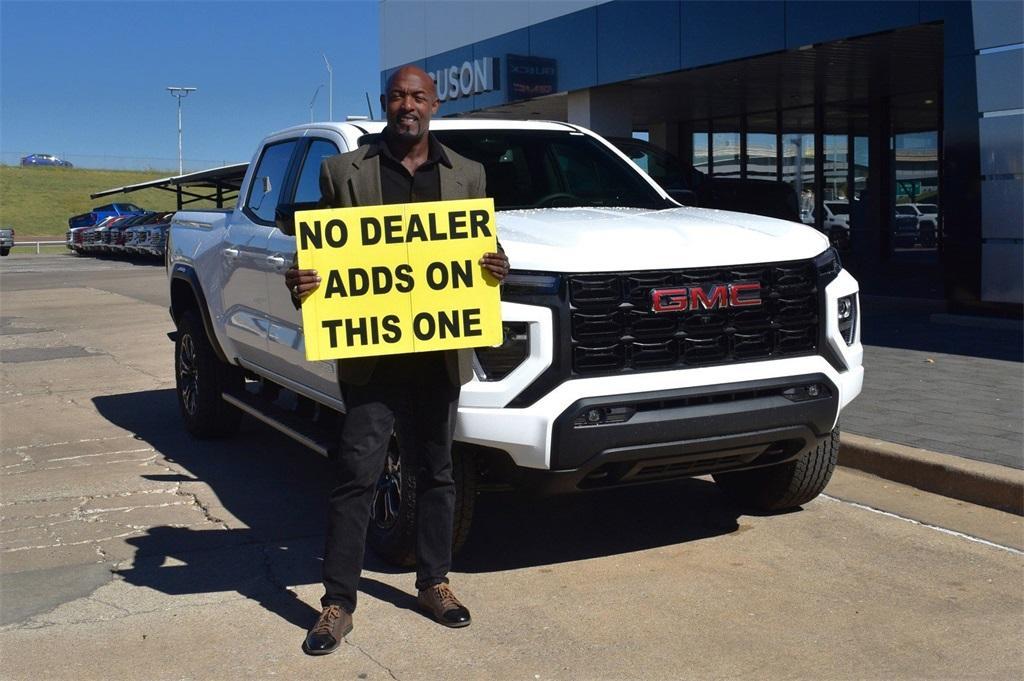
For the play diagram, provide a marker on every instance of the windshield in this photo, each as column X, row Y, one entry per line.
column 838, row 208
column 546, row 169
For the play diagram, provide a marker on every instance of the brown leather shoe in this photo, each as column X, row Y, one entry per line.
column 325, row 636
column 441, row 604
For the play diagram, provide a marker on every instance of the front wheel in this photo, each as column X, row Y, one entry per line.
column 5, row 251
column 392, row 530
column 786, row 485
column 200, row 379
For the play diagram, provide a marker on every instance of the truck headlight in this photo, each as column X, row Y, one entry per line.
column 847, row 313
column 494, row 364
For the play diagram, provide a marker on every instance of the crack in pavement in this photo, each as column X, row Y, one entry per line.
column 372, row 659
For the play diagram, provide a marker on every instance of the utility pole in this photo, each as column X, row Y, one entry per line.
column 330, row 88
column 315, row 93
column 179, row 93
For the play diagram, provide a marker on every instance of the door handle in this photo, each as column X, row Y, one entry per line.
column 276, row 261
column 231, row 252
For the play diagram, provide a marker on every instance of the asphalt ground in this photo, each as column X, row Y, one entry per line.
column 128, row 550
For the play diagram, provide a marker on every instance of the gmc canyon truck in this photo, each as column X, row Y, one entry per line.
column 643, row 340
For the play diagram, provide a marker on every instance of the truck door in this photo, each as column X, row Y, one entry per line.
column 287, row 353
column 245, row 264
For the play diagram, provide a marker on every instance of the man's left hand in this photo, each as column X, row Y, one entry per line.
column 496, row 264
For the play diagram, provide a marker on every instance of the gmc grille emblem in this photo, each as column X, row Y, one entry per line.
column 693, row 298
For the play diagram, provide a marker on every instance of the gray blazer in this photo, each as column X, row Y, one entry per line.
column 351, row 179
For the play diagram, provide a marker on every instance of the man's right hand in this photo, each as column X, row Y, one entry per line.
column 301, row 283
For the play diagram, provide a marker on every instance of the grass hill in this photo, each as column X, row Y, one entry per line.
column 38, row 201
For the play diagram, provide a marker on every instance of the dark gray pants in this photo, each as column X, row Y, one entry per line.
column 412, row 395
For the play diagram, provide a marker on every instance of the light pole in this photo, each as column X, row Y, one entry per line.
column 315, row 93
column 179, row 93
column 330, row 88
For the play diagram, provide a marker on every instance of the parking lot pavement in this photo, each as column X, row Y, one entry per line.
column 129, row 551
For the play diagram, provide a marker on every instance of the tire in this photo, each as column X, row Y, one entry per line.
column 787, row 485
column 5, row 251
column 200, row 378
column 392, row 528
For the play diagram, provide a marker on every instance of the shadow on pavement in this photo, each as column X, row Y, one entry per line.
column 278, row 490
column 909, row 324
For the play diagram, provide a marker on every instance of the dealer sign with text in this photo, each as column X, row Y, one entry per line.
column 399, row 278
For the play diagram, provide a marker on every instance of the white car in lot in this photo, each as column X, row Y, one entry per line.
column 927, row 216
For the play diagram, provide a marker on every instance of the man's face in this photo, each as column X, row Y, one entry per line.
column 410, row 101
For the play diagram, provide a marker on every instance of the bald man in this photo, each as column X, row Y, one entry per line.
column 414, row 395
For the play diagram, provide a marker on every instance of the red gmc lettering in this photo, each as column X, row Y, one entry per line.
column 743, row 295
column 719, row 298
column 669, row 300
column 710, row 298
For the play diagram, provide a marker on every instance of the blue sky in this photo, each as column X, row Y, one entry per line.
column 86, row 79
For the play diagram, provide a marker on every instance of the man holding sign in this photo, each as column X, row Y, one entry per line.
column 388, row 382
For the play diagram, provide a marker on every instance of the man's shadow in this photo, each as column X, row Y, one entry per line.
column 278, row 489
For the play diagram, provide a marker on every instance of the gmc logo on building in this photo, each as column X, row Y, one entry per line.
column 693, row 298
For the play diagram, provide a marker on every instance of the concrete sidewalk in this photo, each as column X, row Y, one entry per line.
column 937, row 385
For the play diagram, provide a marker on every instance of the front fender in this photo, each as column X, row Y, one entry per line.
column 187, row 293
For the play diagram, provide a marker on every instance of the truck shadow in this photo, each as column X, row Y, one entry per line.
column 263, row 498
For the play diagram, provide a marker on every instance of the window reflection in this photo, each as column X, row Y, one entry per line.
column 700, row 151
column 916, row 219
column 725, row 148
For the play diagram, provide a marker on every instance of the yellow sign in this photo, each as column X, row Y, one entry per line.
column 399, row 278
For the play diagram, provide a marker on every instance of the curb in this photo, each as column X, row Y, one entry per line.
column 985, row 484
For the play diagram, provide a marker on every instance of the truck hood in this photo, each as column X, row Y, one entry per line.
column 620, row 239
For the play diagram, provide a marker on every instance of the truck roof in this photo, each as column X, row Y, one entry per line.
column 356, row 128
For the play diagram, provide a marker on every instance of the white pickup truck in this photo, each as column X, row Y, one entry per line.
column 643, row 340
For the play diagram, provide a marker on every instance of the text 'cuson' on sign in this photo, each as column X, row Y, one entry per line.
column 399, row 278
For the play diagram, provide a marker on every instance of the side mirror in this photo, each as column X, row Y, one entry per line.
column 687, row 197
column 266, row 184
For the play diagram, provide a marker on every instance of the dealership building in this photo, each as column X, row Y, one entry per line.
column 882, row 111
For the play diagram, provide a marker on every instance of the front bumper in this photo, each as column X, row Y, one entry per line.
column 708, row 413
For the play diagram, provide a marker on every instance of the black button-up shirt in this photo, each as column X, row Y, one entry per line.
column 397, row 185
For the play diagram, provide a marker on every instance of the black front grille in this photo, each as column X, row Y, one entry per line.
column 614, row 329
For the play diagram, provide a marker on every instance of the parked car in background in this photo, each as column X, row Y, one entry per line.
column 113, row 238
column 156, row 237
column 6, row 240
column 927, row 215
column 78, row 237
column 835, row 222
column 136, row 236
column 94, row 240
column 98, row 214
column 44, row 160
column 905, row 231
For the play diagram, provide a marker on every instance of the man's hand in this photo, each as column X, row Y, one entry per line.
column 301, row 282
column 496, row 264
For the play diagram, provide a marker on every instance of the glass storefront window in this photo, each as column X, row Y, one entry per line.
column 836, row 168
column 725, row 148
column 798, row 170
column 761, row 146
column 761, row 156
column 916, row 166
column 700, row 151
